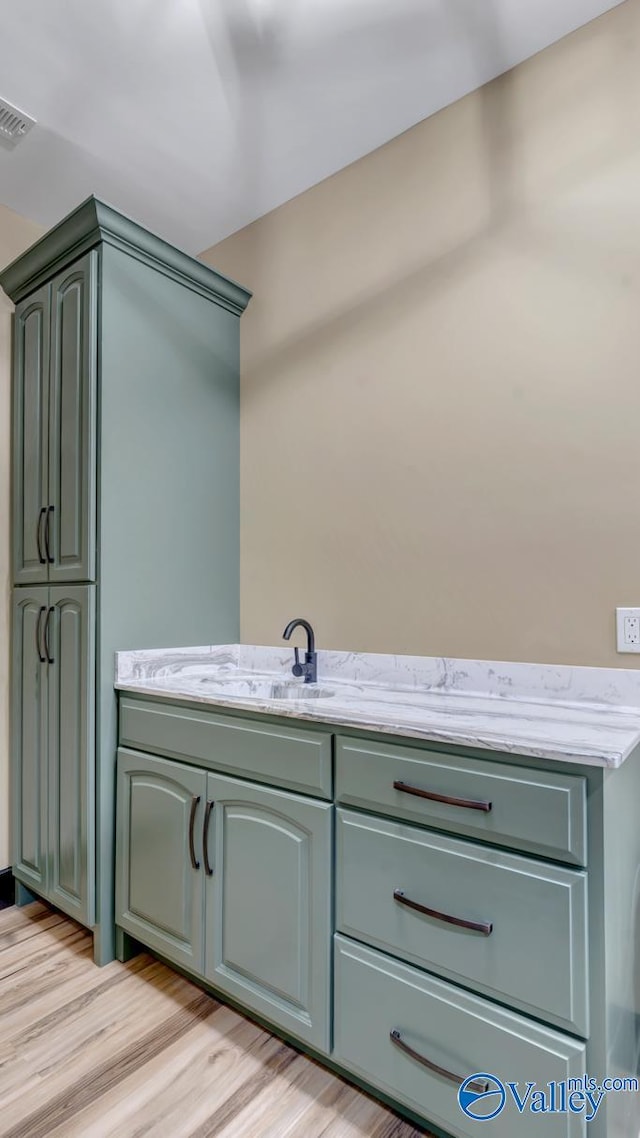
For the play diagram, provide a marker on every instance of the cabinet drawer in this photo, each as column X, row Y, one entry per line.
column 530, row 944
column 287, row 757
column 458, row 1032
column 543, row 812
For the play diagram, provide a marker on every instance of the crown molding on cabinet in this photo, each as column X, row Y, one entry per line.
column 94, row 222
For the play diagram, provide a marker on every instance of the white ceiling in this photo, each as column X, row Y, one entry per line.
column 197, row 116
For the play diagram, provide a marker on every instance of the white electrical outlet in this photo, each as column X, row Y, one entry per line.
column 628, row 629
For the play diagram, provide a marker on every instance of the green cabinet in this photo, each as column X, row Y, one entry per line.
column 268, row 904
column 417, row 1039
column 449, row 906
column 29, row 717
column 70, row 646
column 448, row 954
column 160, row 879
column 233, row 881
column 53, row 744
column 30, row 456
column 72, row 423
column 542, row 812
column 125, row 500
column 54, row 428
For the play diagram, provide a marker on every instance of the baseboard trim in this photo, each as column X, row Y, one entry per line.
column 7, row 887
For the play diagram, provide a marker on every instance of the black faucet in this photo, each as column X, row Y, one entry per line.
column 310, row 667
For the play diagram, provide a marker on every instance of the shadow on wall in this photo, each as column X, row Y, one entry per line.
column 441, row 340
column 249, row 50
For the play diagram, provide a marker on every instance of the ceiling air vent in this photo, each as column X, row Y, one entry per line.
column 14, row 124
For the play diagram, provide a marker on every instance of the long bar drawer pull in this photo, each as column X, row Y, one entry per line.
column 205, row 838
column 195, row 864
column 39, row 649
column 47, row 530
column 484, row 927
column 477, row 1087
column 45, row 637
column 465, row 803
column 41, row 515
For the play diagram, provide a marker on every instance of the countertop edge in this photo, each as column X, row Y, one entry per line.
column 611, row 760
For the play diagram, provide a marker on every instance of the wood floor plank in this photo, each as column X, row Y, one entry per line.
column 138, row 1051
column 54, row 984
column 13, row 919
column 70, row 1050
column 35, row 950
column 180, row 1089
column 59, row 1109
column 301, row 1100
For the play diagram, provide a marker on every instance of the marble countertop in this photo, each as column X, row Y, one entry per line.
column 577, row 715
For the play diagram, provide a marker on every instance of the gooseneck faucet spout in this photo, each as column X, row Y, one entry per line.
column 310, row 667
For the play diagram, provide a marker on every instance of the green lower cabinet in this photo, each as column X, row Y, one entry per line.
column 70, row 646
column 268, row 904
column 53, row 745
column 29, row 739
column 417, row 1039
column 232, row 881
column 160, row 876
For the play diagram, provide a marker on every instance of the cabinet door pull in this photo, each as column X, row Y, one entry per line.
column 50, row 658
column 465, row 803
column 205, row 838
column 47, row 531
column 484, row 927
column 43, row 609
column 195, row 864
column 477, row 1087
column 42, row 559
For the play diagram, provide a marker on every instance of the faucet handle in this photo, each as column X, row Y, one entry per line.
column 297, row 669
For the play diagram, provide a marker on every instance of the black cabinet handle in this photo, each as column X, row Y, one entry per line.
column 477, row 1087
column 465, row 803
column 41, row 515
column 47, row 529
column 484, row 927
column 205, row 837
column 43, row 609
column 195, row 864
column 50, row 658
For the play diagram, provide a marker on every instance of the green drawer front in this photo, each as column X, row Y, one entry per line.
column 283, row 756
column 535, row 954
column 461, row 1033
column 543, row 812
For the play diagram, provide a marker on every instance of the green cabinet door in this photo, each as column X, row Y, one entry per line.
column 30, row 448
column 69, row 646
column 70, row 529
column 268, row 903
column 160, row 875
column 29, row 738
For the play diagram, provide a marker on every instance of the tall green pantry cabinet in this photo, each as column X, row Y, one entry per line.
column 125, row 518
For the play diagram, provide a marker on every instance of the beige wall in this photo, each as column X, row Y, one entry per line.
column 16, row 233
column 441, row 376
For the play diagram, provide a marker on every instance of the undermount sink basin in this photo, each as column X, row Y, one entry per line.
column 253, row 688
column 300, row 691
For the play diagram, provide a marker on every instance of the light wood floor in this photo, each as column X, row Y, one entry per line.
column 134, row 1049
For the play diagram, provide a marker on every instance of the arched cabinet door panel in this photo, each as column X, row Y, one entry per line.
column 30, row 447
column 69, row 636
column 160, row 875
column 268, row 903
column 70, row 528
column 29, row 739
